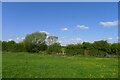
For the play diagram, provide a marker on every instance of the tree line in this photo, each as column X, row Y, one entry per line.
column 38, row 42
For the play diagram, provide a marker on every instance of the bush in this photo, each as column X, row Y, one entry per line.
column 54, row 49
column 95, row 52
column 12, row 46
column 74, row 49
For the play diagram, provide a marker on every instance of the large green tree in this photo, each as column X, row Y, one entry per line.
column 101, row 48
column 35, row 42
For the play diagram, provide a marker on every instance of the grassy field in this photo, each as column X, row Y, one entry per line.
column 24, row 65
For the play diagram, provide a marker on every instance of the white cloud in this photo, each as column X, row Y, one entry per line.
column 109, row 38
column 109, row 24
column 82, row 27
column 77, row 39
column 70, row 41
column 10, row 39
column 44, row 32
column 64, row 29
column 19, row 39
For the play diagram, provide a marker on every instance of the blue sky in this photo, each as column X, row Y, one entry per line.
column 72, row 22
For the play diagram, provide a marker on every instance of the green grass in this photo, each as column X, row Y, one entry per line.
column 24, row 65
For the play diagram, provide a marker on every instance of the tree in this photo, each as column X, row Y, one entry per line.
column 19, row 47
column 4, row 46
column 115, row 48
column 54, row 48
column 102, row 48
column 52, row 40
column 8, row 46
column 86, row 47
column 73, row 49
column 40, row 47
column 69, row 50
column 11, row 46
column 34, row 41
column 118, row 50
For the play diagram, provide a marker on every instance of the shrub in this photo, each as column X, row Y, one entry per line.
column 54, row 49
column 74, row 49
